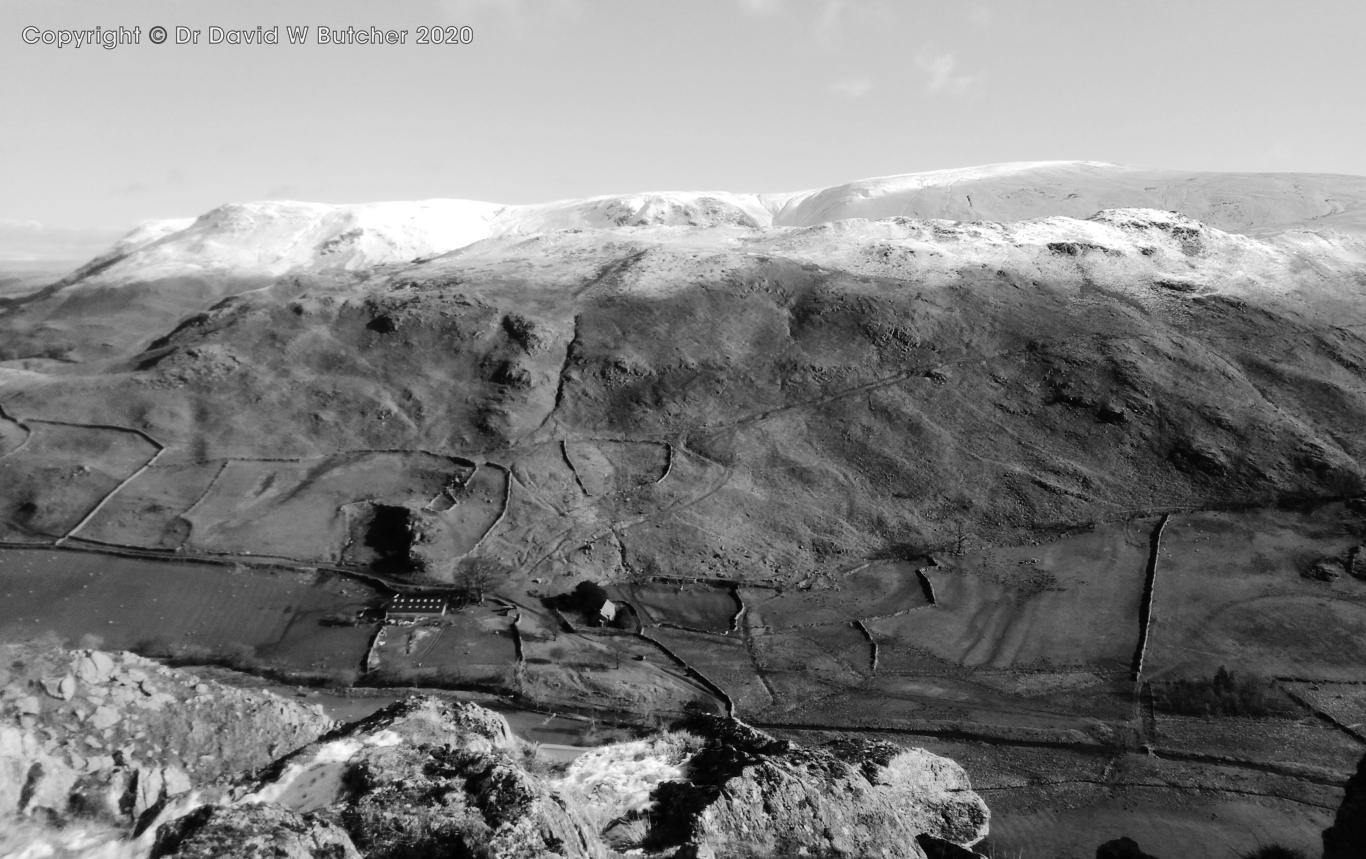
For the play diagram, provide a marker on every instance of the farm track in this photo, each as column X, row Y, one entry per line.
column 1126, row 785
column 200, row 500
column 1325, row 717
column 1098, row 749
column 693, row 672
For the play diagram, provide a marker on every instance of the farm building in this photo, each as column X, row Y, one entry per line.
column 414, row 608
column 607, row 612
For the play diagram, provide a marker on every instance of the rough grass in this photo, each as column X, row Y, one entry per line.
column 239, row 657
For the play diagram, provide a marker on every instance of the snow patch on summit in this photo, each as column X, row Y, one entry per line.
column 271, row 238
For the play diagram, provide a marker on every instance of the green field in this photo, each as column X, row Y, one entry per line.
column 124, row 603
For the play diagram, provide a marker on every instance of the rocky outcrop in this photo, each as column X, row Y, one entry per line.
column 252, row 832
column 432, row 777
column 424, row 776
column 108, row 736
column 113, row 739
column 753, row 795
column 1346, row 838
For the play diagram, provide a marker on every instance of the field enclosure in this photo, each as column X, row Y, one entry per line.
column 1229, row 591
column 121, row 603
column 56, row 474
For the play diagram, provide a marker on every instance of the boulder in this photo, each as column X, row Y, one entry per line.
column 105, row 717
column 422, row 719
column 148, row 788
column 62, row 688
column 256, row 831
column 176, row 780
column 101, row 794
column 93, row 666
column 459, row 802
column 1323, row 570
column 751, row 794
column 428, row 776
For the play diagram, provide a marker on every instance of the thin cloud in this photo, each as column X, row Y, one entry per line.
column 759, row 8
column 29, row 241
column 943, row 74
column 517, row 12
column 855, row 86
column 982, row 16
column 828, row 15
column 828, row 23
column 286, row 191
column 132, row 189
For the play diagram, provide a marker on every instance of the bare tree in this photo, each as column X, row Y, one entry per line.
column 960, row 533
column 477, row 576
column 960, row 522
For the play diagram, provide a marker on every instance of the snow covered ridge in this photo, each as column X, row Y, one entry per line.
column 271, row 238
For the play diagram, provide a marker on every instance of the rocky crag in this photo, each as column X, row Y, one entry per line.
column 107, row 736
column 172, row 766
column 431, row 777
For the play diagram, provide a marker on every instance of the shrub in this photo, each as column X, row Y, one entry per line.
column 1225, row 694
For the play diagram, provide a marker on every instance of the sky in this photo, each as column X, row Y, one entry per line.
column 555, row 99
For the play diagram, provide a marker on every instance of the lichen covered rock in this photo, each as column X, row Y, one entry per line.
column 254, row 831
column 753, row 795
column 427, row 776
column 107, row 736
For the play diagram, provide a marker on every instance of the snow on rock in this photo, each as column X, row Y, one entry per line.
column 1241, row 202
column 275, row 237
column 272, row 238
column 901, row 196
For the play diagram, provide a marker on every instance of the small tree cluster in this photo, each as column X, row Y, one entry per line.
column 1225, row 694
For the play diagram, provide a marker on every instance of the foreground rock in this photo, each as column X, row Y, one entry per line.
column 434, row 777
column 255, row 831
column 107, row 736
column 1346, row 838
column 752, row 795
column 421, row 777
